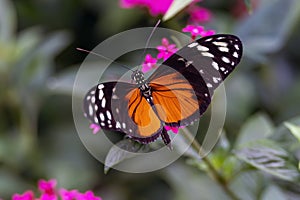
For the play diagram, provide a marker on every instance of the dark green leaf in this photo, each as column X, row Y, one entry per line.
column 295, row 130
column 121, row 151
column 266, row 155
column 257, row 127
column 266, row 31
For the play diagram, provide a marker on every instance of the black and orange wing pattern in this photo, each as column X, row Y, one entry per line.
column 183, row 85
column 120, row 107
column 181, row 89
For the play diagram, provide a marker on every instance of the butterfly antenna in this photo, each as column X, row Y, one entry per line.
column 148, row 40
column 94, row 53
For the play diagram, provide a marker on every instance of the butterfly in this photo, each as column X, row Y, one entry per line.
column 177, row 93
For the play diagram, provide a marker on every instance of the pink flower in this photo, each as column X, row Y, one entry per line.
column 208, row 33
column 95, row 128
column 173, row 129
column 47, row 187
column 166, row 49
column 46, row 196
column 149, row 63
column 197, row 31
column 48, row 192
column 68, row 195
column 199, row 14
column 28, row 195
column 88, row 195
column 155, row 7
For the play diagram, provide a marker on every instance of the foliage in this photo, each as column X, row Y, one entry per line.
column 257, row 156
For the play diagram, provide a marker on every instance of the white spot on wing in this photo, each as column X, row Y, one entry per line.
column 103, row 103
column 90, row 110
column 117, row 110
column 202, row 48
column 237, row 47
column 101, row 116
column 93, row 100
column 123, row 125
column 96, row 119
column 118, row 125
column 114, row 97
column 207, row 54
column 215, row 65
column 222, row 44
column 108, row 114
column 216, row 80
column 222, row 69
column 100, row 86
column 224, row 49
column 209, row 85
column 193, row 44
column 102, row 124
column 225, row 59
column 235, row 54
column 101, row 94
column 88, row 97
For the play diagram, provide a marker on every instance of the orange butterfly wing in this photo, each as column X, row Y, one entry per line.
column 174, row 99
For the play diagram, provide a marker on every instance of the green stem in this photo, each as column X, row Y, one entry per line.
column 213, row 172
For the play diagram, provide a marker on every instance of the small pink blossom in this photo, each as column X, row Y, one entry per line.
column 149, row 63
column 46, row 196
column 28, row 195
column 166, row 49
column 47, row 187
column 88, row 195
column 95, row 128
column 155, row 7
column 173, row 129
column 49, row 192
column 199, row 14
column 208, row 33
column 68, row 195
column 197, row 31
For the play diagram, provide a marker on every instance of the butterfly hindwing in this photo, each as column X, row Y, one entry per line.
column 119, row 106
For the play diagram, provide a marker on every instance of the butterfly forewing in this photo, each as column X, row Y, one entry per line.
column 204, row 63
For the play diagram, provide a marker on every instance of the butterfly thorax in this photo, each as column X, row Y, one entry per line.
column 138, row 77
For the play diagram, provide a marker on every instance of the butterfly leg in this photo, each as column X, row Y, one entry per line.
column 165, row 137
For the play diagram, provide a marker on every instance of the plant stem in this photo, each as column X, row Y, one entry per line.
column 211, row 169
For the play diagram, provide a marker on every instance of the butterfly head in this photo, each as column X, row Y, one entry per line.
column 138, row 77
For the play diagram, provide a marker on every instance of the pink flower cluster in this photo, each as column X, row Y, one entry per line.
column 165, row 50
column 155, row 7
column 197, row 31
column 49, row 192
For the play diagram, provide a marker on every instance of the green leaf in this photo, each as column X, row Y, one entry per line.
column 266, row 155
column 274, row 193
column 267, row 30
column 175, row 8
column 7, row 20
column 125, row 149
column 259, row 126
column 295, row 130
column 248, row 5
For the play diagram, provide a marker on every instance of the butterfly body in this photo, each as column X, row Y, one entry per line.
column 176, row 94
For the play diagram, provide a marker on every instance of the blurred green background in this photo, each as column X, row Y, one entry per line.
column 38, row 64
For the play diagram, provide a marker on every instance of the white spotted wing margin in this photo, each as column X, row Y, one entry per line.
column 107, row 106
column 205, row 63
